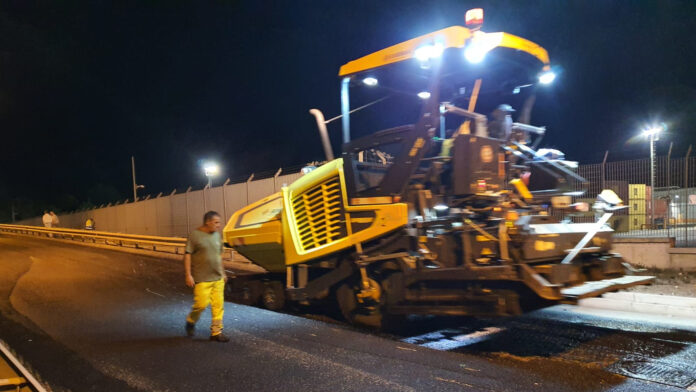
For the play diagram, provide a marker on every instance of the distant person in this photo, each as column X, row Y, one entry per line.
column 89, row 224
column 204, row 272
column 47, row 219
column 501, row 126
column 54, row 219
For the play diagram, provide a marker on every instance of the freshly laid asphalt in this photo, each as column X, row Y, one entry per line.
column 89, row 319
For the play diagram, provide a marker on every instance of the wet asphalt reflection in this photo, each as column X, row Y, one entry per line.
column 637, row 349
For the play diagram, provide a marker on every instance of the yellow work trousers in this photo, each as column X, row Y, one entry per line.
column 212, row 293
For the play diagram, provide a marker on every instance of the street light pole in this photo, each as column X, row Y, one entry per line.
column 135, row 187
column 653, row 133
column 652, row 180
column 135, row 184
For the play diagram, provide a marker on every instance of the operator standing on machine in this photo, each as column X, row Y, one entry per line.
column 204, row 272
column 501, row 126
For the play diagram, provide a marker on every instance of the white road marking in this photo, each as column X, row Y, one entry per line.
column 152, row 292
column 444, row 343
column 454, row 382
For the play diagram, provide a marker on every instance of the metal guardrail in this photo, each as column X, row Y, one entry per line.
column 21, row 379
column 113, row 239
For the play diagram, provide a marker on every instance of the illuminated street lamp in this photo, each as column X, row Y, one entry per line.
column 653, row 134
column 211, row 170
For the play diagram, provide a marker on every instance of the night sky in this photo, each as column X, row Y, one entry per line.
column 85, row 85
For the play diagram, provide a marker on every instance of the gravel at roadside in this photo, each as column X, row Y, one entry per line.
column 669, row 282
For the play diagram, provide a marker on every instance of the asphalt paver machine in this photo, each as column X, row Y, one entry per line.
column 444, row 211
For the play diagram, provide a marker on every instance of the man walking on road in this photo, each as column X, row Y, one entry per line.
column 204, row 272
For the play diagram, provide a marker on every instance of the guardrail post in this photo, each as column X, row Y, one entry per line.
column 275, row 179
column 251, row 177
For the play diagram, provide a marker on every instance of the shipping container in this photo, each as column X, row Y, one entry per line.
column 636, row 222
column 636, row 191
column 636, row 206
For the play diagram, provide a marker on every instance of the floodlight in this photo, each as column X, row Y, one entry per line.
column 547, row 77
column 475, row 53
column 370, row 81
column 211, row 169
column 653, row 131
column 427, row 52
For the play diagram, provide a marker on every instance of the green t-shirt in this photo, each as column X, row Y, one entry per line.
column 206, row 259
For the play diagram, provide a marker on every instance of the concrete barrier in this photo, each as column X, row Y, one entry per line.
column 682, row 259
column 645, row 252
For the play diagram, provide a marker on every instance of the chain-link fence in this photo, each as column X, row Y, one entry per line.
column 664, row 206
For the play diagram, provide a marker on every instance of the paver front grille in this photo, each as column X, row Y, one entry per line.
column 319, row 214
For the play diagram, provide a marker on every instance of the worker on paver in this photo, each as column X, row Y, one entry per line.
column 501, row 126
column 204, row 272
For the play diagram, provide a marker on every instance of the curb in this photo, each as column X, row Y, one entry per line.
column 665, row 305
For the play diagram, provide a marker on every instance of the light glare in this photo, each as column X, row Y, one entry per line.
column 547, row 77
column 211, row 169
column 654, row 130
column 423, row 95
column 427, row 52
column 475, row 53
column 370, row 81
column 440, row 207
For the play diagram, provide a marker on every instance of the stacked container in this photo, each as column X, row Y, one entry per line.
column 637, row 206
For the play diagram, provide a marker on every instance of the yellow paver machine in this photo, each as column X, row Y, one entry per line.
column 443, row 211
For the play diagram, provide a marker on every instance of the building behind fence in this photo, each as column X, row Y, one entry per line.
column 673, row 214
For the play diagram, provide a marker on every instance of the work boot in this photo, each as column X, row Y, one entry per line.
column 190, row 329
column 219, row 338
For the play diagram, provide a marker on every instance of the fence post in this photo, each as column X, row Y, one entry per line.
column 604, row 171
column 224, row 201
column 275, row 179
column 251, row 177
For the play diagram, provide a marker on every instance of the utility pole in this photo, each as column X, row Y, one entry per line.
column 135, row 184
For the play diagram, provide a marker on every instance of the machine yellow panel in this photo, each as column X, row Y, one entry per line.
column 450, row 37
column 255, row 232
column 318, row 218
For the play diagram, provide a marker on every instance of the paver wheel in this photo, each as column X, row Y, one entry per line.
column 273, row 296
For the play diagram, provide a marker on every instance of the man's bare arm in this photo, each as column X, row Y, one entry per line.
column 187, row 267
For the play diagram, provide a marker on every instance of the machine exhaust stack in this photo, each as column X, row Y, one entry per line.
column 321, row 124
